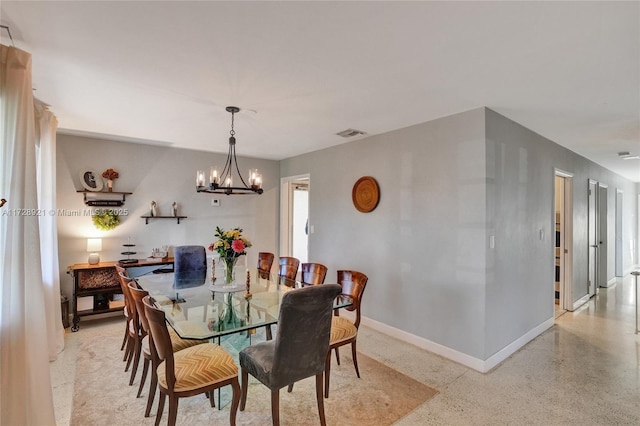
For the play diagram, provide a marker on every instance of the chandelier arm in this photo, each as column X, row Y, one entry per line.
column 226, row 172
column 235, row 159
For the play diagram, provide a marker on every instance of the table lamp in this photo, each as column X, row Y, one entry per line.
column 94, row 245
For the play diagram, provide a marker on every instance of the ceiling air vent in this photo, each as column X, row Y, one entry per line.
column 628, row 156
column 350, row 133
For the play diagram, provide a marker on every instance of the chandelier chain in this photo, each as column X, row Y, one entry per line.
column 232, row 132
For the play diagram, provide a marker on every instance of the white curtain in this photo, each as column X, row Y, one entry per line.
column 46, row 125
column 25, row 384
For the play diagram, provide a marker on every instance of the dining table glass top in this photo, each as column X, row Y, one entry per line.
column 198, row 306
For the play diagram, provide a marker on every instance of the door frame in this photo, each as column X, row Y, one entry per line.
column 286, row 212
column 566, row 247
column 592, row 237
column 603, row 234
column 619, row 255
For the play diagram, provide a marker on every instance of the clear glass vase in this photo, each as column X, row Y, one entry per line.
column 230, row 270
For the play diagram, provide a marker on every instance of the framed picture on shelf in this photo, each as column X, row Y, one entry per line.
column 91, row 180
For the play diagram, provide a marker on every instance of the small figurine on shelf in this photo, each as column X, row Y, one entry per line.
column 174, row 209
column 248, row 293
column 153, row 209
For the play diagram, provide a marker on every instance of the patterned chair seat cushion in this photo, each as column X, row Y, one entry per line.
column 199, row 366
column 342, row 329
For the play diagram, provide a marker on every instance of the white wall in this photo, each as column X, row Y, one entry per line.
column 164, row 175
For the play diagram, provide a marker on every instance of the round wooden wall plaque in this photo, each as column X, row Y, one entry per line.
column 365, row 194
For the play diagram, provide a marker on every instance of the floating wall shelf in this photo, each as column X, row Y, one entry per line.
column 96, row 199
column 147, row 217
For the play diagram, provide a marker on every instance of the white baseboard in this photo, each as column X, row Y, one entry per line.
column 482, row 366
column 584, row 299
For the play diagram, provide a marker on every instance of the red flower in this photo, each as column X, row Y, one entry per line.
column 237, row 246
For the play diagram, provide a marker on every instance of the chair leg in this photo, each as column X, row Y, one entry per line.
column 136, row 360
column 275, row 407
column 355, row 358
column 236, row 401
column 153, row 385
column 131, row 346
column 126, row 333
column 320, row 399
column 337, row 356
column 173, row 410
column 245, row 386
column 160, row 408
column 327, row 374
column 127, row 349
column 145, row 371
column 269, row 334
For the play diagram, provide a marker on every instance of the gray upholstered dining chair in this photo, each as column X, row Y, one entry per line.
column 189, row 258
column 299, row 349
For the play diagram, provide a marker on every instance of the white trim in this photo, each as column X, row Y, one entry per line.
column 286, row 206
column 611, row 282
column 457, row 356
column 584, row 299
column 563, row 173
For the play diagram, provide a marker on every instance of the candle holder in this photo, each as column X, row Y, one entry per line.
column 248, row 294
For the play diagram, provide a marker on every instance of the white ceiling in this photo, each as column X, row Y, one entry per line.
column 163, row 72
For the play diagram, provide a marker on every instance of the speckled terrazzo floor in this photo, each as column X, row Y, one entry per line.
column 583, row 371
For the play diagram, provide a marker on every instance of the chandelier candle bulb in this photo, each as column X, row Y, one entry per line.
column 213, row 177
column 200, row 178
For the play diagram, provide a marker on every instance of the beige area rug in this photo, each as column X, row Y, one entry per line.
column 381, row 396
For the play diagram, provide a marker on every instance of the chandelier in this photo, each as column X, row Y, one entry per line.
column 222, row 182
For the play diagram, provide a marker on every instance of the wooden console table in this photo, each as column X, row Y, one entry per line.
column 100, row 283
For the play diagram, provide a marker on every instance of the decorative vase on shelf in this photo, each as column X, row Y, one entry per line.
column 110, row 185
column 230, row 270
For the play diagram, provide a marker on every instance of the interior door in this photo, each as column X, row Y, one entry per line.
column 592, row 236
column 602, row 236
column 619, row 256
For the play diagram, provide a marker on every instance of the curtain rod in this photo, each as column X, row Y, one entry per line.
column 9, row 32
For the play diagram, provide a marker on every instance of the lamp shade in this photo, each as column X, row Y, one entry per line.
column 94, row 245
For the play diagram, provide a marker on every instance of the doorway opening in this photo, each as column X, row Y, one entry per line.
column 563, row 243
column 619, row 255
column 294, row 217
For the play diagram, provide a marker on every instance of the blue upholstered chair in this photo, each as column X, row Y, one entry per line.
column 299, row 350
column 189, row 258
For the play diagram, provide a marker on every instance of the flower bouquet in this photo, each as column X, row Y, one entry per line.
column 110, row 175
column 230, row 246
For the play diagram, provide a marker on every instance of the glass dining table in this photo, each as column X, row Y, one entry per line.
column 199, row 306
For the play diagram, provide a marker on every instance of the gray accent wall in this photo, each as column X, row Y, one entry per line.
column 424, row 246
column 164, row 175
column 446, row 187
